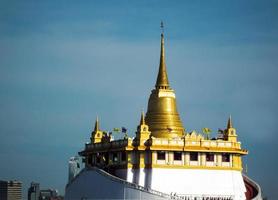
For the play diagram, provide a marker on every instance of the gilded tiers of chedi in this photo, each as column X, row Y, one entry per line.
column 162, row 161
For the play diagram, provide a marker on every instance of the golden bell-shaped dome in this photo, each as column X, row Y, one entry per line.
column 162, row 116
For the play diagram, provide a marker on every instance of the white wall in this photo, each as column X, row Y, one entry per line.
column 198, row 181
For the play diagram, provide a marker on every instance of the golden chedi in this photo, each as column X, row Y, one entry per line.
column 162, row 116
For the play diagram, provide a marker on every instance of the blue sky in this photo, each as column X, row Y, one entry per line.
column 62, row 63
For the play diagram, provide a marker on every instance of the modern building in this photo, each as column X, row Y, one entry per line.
column 10, row 190
column 163, row 160
column 48, row 194
column 34, row 191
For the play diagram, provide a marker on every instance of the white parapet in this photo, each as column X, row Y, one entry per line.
column 97, row 184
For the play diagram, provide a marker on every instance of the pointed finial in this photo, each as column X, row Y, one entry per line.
column 96, row 125
column 162, row 77
column 142, row 120
column 162, row 27
column 229, row 124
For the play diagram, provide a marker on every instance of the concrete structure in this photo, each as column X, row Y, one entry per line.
column 10, row 190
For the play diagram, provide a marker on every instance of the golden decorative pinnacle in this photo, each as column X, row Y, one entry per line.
column 142, row 120
column 96, row 125
column 229, row 124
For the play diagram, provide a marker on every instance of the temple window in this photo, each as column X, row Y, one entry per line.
column 225, row 157
column 193, row 156
column 106, row 158
column 209, row 157
column 161, row 155
column 177, row 155
column 90, row 160
column 115, row 157
column 98, row 158
column 123, row 156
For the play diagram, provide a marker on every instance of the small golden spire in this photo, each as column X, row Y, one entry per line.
column 142, row 120
column 96, row 125
column 162, row 78
column 229, row 124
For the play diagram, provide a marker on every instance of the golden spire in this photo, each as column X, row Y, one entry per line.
column 97, row 134
column 142, row 120
column 96, row 125
column 229, row 124
column 162, row 78
column 162, row 116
